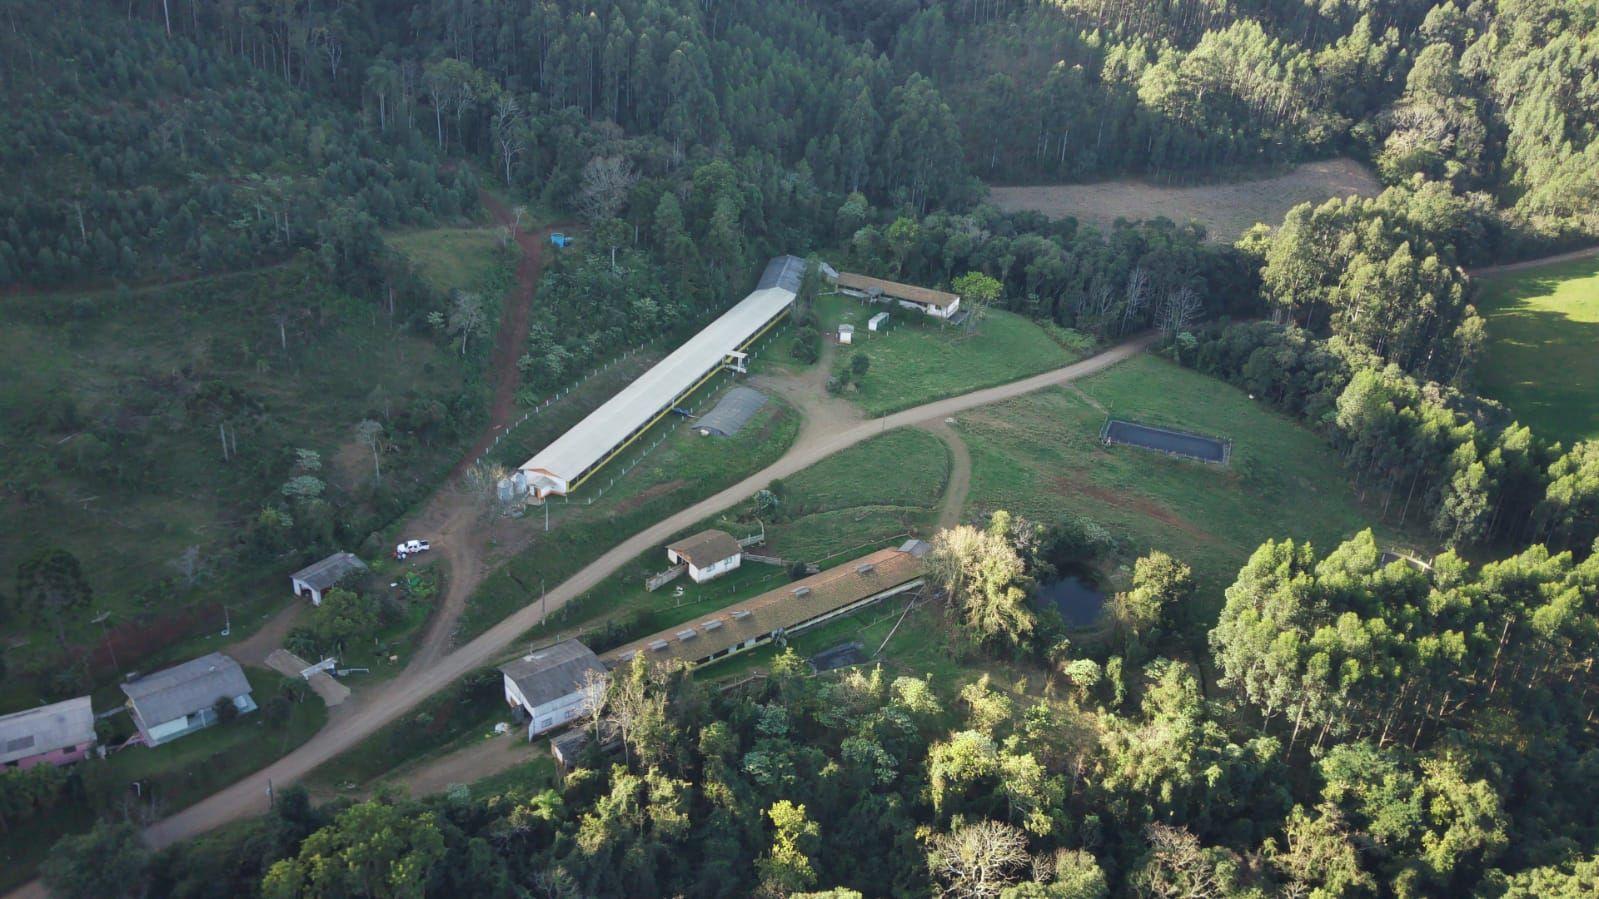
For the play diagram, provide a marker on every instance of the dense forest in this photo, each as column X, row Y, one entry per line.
column 1350, row 725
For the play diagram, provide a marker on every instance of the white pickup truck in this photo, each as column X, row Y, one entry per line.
column 411, row 548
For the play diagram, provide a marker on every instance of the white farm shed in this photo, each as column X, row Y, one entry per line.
column 708, row 554
column 560, row 467
column 846, row 333
column 878, row 322
column 547, row 684
column 311, row 581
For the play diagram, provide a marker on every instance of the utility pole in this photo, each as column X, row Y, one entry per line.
column 110, row 647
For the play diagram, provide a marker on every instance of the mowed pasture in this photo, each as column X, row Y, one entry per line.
column 1226, row 209
column 917, row 359
column 1040, row 456
column 1543, row 347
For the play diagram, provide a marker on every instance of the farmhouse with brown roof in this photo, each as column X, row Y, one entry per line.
column 708, row 554
column 937, row 303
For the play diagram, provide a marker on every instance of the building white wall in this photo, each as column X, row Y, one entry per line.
column 301, row 588
column 934, row 311
column 551, row 714
column 710, row 572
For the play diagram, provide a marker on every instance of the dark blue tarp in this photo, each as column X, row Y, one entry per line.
column 1206, row 449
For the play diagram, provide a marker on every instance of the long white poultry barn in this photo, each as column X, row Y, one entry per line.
column 565, row 464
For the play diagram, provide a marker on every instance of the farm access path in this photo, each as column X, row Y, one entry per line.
column 393, row 699
column 452, row 518
column 1508, row 267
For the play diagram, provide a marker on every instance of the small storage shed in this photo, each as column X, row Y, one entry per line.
column 846, row 333
column 55, row 734
column 182, row 699
column 877, row 322
column 310, row 582
column 708, row 554
column 548, row 684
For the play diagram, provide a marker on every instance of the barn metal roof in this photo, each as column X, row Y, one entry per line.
column 548, row 674
column 329, row 571
column 908, row 292
column 706, row 548
column 588, row 443
column 732, row 412
column 46, row 729
column 185, row 689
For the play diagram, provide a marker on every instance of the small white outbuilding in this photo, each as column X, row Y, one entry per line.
column 708, row 554
column 846, row 333
column 877, row 322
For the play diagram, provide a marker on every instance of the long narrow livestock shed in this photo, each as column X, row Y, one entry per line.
column 563, row 465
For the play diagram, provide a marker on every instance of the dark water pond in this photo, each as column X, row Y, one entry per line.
column 1076, row 598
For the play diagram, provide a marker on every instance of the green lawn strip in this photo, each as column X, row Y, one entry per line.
column 1040, row 456
column 679, row 471
column 1543, row 347
column 917, row 359
column 171, row 776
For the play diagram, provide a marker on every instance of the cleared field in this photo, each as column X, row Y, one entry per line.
column 1040, row 456
column 1226, row 210
column 918, row 360
column 449, row 258
column 1543, row 347
column 112, row 448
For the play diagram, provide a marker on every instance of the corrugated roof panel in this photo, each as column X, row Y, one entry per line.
column 590, row 440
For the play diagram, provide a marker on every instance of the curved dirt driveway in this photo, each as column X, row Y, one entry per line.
column 960, row 473
column 390, row 701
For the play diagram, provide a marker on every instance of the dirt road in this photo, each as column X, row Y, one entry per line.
column 416, row 683
column 474, row 762
column 452, row 518
column 960, row 473
column 1507, row 268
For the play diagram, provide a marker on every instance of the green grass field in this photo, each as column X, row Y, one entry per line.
column 450, row 258
column 1543, row 347
column 1040, row 456
column 917, row 359
column 867, row 497
column 112, row 451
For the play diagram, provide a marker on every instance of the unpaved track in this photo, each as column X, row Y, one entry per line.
column 1507, row 268
column 416, row 683
column 452, row 518
column 960, row 472
column 463, row 766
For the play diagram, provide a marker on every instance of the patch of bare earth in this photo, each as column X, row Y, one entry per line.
column 1226, row 209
